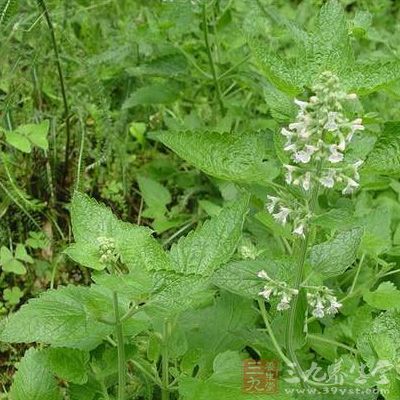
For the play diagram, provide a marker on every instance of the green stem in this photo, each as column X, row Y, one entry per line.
column 301, row 257
column 278, row 349
column 353, row 285
column 165, row 364
column 119, row 336
column 332, row 342
column 211, row 61
column 43, row 6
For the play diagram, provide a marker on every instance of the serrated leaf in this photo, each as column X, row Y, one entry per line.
column 33, row 381
column 282, row 73
column 385, row 297
column 369, row 77
column 331, row 48
column 61, row 317
column 243, row 158
column 385, row 156
column 175, row 292
column 333, row 257
column 18, row 141
column 240, row 277
column 68, row 364
column 135, row 245
column 212, row 244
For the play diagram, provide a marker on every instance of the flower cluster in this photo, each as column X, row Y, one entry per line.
column 281, row 212
column 322, row 301
column 318, row 139
column 278, row 289
column 107, row 250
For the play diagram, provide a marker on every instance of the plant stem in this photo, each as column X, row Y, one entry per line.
column 278, row 349
column 332, row 342
column 301, row 257
column 119, row 336
column 43, row 6
column 211, row 61
column 353, row 285
column 165, row 363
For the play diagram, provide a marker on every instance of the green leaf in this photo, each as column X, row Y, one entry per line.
column 369, row 77
column 218, row 328
column 64, row 318
column 283, row 74
column 91, row 220
column 155, row 195
column 158, row 93
column 176, row 292
column 11, row 264
column 18, row 141
column 377, row 231
column 385, row 297
column 243, row 158
column 333, row 257
column 33, row 381
column 212, row 244
column 21, row 254
column 240, row 277
column 385, row 156
column 225, row 383
column 68, row 364
column 36, row 133
column 5, row 255
column 331, row 48
column 13, row 295
column 381, row 343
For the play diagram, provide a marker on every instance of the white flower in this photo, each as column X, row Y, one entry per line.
column 262, row 274
column 290, row 147
column 282, row 215
column 335, row 156
column 273, row 201
column 334, row 306
column 284, row 304
column 304, row 156
column 289, row 173
column 302, row 104
column 356, row 166
column 299, row 230
column 355, row 125
column 351, row 96
column 319, row 311
column 331, row 124
column 313, row 99
column 329, row 179
column 306, row 181
column 297, row 126
column 286, row 133
column 266, row 293
column 351, row 186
